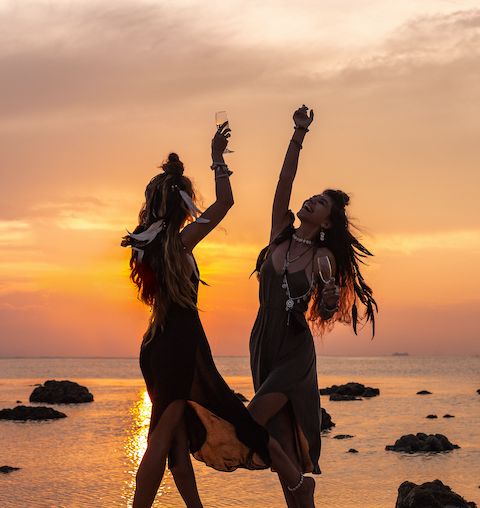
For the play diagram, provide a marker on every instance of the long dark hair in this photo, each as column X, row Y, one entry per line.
column 159, row 269
column 349, row 254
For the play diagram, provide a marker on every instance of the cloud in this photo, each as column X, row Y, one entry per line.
column 95, row 59
column 412, row 243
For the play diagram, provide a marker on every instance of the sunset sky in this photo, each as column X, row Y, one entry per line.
column 94, row 95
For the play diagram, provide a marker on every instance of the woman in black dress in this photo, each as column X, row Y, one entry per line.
column 193, row 409
column 316, row 266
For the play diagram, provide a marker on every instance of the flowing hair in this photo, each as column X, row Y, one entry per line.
column 158, row 267
column 349, row 254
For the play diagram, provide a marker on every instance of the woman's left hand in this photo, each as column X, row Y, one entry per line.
column 220, row 140
column 330, row 294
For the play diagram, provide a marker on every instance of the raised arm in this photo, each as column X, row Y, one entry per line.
column 289, row 169
column 193, row 233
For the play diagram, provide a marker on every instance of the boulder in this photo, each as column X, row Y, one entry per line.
column 327, row 422
column 352, row 450
column 349, row 391
column 343, row 436
column 31, row 413
column 61, row 392
column 422, row 443
column 431, row 416
column 336, row 397
column 448, row 416
column 424, row 392
column 8, row 469
column 429, row 495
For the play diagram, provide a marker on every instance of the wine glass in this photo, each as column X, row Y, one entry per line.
column 220, row 119
column 325, row 269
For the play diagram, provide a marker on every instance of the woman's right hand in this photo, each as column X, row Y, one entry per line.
column 301, row 118
column 220, row 140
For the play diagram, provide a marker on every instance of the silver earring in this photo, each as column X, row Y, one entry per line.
column 322, row 236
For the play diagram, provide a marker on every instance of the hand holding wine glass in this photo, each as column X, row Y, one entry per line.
column 220, row 140
column 221, row 120
column 330, row 291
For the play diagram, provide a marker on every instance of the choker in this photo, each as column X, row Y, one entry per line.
column 301, row 240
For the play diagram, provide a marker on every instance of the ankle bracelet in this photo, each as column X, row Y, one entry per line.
column 297, row 486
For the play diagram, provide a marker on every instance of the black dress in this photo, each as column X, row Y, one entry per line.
column 283, row 360
column 177, row 364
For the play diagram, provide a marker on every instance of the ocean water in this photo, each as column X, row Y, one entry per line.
column 90, row 458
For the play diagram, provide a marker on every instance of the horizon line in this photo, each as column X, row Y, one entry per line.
column 46, row 357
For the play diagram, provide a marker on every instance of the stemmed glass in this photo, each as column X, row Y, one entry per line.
column 325, row 269
column 220, row 119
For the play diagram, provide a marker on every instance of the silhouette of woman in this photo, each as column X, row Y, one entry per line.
column 316, row 266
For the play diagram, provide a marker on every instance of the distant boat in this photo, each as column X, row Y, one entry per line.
column 399, row 354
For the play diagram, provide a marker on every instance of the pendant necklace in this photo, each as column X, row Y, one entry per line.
column 291, row 299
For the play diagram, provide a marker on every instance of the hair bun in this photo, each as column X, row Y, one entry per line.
column 173, row 166
column 344, row 197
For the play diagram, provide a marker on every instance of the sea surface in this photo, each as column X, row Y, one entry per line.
column 89, row 459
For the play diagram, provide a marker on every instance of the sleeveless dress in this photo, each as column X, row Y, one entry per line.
column 283, row 360
column 177, row 364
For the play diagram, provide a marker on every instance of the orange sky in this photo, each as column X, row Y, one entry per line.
column 93, row 95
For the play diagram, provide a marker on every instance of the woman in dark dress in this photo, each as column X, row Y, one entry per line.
column 315, row 266
column 193, row 409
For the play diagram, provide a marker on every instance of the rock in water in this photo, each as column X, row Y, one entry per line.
column 31, row 413
column 430, row 494
column 350, row 389
column 424, row 392
column 336, row 397
column 327, row 422
column 61, row 392
column 8, row 469
column 423, row 443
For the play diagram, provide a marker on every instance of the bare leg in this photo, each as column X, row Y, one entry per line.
column 182, row 469
column 286, row 438
column 262, row 410
column 152, row 466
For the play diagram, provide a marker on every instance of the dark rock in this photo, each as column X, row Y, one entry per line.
column 431, row 416
column 61, row 392
column 18, row 402
column 336, row 397
column 8, row 469
column 327, row 422
column 343, row 436
column 31, row 413
column 352, row 450
column 424, row 392
column 429, row 495
column 351, row 389
column 421, row 442
column 448, row 416
column 370, row 392
column 478, row 391
column 240, row 396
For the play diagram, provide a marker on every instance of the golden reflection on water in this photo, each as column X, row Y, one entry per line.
column 136, row 444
